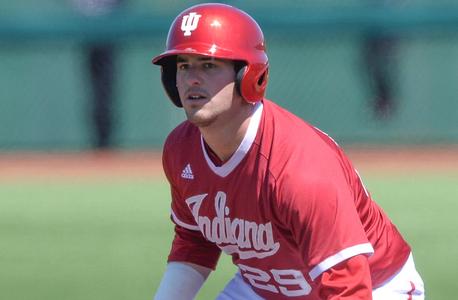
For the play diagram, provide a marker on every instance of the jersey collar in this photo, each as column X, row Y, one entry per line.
column 226, row 168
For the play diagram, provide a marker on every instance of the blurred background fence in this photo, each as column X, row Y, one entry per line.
column 366, row 72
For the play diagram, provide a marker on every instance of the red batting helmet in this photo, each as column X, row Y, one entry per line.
column 220, row 31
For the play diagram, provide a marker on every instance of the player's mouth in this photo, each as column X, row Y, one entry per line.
column 196, row 96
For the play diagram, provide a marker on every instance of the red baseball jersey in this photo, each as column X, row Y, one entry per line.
column 287, row 206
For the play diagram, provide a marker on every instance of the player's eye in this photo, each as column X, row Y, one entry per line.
column 183, row 66
column 209, row 65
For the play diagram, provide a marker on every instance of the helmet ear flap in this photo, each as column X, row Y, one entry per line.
column 169, row 79
column 261, row 84
column 240, row 70
column 252, row 82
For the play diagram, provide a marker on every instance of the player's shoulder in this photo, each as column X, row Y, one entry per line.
column 285, row 121
column 181, row 134
column 184, row 136
column 298, row 144
column 178, row 147
column 294, row 131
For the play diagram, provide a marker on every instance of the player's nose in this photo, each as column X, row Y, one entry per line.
column 193, row 77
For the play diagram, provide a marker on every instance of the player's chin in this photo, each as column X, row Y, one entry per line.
column 199, row 118
column 197, row 109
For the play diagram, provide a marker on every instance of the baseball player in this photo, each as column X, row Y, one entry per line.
column 253, row 180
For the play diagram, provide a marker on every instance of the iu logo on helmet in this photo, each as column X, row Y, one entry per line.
column 189, row 23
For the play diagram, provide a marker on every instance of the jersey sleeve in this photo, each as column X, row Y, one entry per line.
column 179, row 212
column 320, row 212
column 189, row 245
column 350, row 279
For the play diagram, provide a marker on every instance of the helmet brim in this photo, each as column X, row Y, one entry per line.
column 204, row 50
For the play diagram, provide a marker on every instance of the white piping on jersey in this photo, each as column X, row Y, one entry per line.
column 243, row 148
column 183, row 224
column 340, row 257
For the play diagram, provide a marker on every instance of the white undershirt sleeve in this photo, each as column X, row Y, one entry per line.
column 180, row 281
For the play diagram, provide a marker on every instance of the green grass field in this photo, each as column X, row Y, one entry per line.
column 110, row 239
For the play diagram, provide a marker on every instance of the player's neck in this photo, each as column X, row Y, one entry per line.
column 224, row 140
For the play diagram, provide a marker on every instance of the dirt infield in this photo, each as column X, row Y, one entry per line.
column 80, row 165
column 110, row 165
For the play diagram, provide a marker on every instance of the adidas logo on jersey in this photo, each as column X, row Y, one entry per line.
column 187, row 172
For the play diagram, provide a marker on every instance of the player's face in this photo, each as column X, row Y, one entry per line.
column 207, row 89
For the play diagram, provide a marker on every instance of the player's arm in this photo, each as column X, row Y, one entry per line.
column 350, row 279
column 190, row 262
column 181, row 280
column 192, row 257
column 328, row 222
